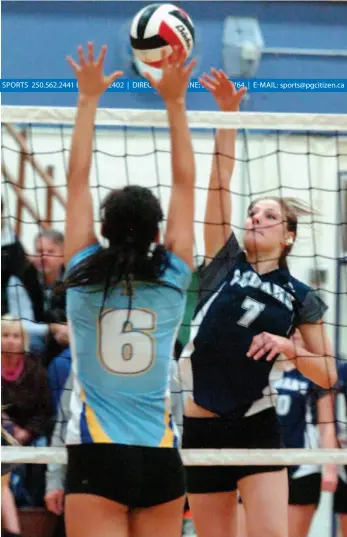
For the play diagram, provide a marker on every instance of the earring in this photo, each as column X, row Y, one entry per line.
column 289, row 241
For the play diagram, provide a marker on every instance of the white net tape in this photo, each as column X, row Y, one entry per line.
column 158, row 118
column 198, row 457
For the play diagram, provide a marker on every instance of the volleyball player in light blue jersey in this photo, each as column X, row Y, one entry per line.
column 124, row 304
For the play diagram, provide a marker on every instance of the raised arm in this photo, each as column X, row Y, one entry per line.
column 217, row 228
column 179, row 236
column 79, row 227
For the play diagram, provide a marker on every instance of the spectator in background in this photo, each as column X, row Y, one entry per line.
column 51, row 338
column 58, row 372
column 56, row 473
column 26, row 410
column 24, row 385
column 21, row 292
column 10, row 520
column 49, row 252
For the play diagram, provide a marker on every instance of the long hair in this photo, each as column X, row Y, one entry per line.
column 130, row 220
column 292, row 208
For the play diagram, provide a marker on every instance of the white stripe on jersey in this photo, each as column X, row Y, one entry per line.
column 184, row 363
column 73, row 434
column 269, row 393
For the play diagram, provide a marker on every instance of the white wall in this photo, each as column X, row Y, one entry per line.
column 266, row 165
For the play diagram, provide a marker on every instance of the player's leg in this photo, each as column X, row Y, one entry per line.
column 300, row 519
column 211, row 489
column 263, row 489
column 102, row 481
column 214, row 513
column 343, row 525
column 93, row 516
column 265, row 498
column 9, row 513
column 304, row 495
column 157, row 521
column 159, row 506
column 340, row 505
column 5, row 479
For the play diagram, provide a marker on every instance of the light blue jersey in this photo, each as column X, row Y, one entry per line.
column 121, row 387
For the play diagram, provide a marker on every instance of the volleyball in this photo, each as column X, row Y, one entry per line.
column 156, row 29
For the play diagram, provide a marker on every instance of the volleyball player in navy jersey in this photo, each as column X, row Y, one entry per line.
column 124, row 307
column 306, row 416
column 340, row 496
column 250, row 305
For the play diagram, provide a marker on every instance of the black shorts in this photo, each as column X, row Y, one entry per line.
column 134, row 476
column 305, row 490
column 340, row 498
column 259, row 431
column 7, row 468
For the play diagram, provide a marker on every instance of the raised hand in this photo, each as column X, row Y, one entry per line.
column 175, row 77
column 90, row 73
column 271, row 345
column 227, row 97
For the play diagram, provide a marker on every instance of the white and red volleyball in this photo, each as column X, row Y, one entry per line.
column 156, row 29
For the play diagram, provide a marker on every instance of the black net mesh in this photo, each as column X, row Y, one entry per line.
column 310, row 166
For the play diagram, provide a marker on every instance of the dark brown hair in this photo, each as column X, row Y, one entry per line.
column 291, row 208
column 130, row 219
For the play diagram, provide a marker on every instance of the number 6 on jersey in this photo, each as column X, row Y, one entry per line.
column 131, row 352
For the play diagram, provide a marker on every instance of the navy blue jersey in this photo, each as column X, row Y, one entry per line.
column 236, row 304
column 296, row 408
column 342, row 376
column 297, row 413
column 342, row 394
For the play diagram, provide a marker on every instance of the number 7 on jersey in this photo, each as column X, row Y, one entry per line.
column 253, row 310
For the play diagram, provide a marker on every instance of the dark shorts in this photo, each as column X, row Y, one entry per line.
column 305, row 490
column 6, row 468
column 340, row 498
column 255, row 432
column 131, row 475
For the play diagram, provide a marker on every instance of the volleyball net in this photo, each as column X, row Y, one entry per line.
column 297, row 155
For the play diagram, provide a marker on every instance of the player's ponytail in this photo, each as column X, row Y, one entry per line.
column 127, row 264
column 130, row 222
column 292, row 208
